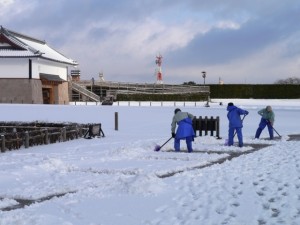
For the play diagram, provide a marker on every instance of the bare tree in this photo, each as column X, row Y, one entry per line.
column 290, row 80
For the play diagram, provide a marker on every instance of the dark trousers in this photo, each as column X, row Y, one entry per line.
column 188, row 144
column 238, row 133
column 263, row 123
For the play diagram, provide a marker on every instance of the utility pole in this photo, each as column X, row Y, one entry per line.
column 93, row 83
column 204, row 75
column 158, row 71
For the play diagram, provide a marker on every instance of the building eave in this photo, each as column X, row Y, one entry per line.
column 59, row 61
column 32, row 48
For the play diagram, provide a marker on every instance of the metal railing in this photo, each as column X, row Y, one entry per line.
column 122, row 87
column 82, row 90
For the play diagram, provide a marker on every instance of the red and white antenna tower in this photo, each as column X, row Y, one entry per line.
column 158, row 72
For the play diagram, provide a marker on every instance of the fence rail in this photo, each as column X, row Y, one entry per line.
column 154, row 103
column 114, row 88
column 16, row 135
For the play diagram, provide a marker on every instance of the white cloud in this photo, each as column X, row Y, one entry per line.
column 123, row 40
column 129, row 48
column 265, row 66
column 12, row 8
column 227, row 25
column 5, row 6
column 5, row 3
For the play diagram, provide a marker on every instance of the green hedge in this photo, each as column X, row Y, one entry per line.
column 162, row 97
column 257, row 91
column 264, row 91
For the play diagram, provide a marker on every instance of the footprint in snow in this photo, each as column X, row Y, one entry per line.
column 162, row 209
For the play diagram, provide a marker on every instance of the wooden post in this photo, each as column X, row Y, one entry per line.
column 205, row 125
column 200, row 125
column 195, row 125
column 64, row 134
column 46, row 141
column 26, row 139
column 116, row 121
column 2, row 143
column 212, row 127
column 218, row 127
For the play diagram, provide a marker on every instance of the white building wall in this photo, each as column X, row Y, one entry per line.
column 19, row 68
column 14, row 68
column 48, row 67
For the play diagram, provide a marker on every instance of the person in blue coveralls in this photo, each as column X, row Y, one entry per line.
column 267, row 119
column 235, row 123
column 185, row 130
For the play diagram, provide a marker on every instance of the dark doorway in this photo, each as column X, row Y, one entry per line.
column 47, row 93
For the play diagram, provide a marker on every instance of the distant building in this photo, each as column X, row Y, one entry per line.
column 31, row 71
column 75, row 75
column 221, row 81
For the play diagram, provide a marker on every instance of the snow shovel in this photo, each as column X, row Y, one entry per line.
column 226, row 140
column 274, row 128
column 157, row 147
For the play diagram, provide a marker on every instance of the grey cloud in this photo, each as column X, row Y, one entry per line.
column 220, row 46
column 61, row 22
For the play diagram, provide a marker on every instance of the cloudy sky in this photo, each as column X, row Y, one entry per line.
column 237, row 41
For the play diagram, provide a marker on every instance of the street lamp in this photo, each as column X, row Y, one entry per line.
column 204, row 75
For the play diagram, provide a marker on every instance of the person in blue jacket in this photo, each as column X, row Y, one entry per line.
column 235, row 123
column 185, row 130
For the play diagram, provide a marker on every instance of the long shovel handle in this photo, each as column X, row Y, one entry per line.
column 276, row 131
column 166, row 142
column 242, row 121
column 274, row 128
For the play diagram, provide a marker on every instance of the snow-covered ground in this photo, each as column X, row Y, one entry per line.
column 120, row 180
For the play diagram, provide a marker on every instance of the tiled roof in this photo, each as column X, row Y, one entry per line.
column 31, row 48
column 50, row 77
column 10, row 53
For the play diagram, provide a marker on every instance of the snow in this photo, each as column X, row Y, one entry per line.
column 120, row 180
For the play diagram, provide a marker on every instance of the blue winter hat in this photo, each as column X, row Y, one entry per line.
column 230, row 104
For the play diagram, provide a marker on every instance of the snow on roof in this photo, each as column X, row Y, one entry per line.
column 47, row 52
column 31, row 47
column 9, row 53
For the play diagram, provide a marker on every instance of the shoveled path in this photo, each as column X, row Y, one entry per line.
column 230, row 155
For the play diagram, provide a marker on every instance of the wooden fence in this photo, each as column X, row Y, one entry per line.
column 15, row 135
column 207, row 125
